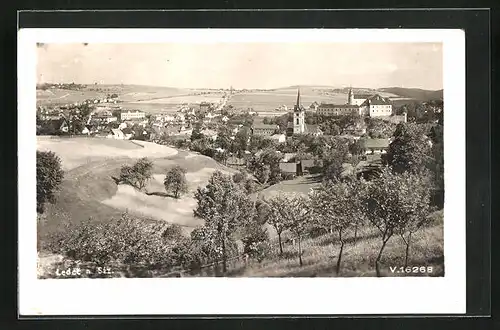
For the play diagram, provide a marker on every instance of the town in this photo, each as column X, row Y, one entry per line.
column 365, row 122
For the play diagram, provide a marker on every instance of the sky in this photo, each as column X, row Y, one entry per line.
column 244, row 65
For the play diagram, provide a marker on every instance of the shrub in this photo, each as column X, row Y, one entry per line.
column 49, row 176
column 137, row 175
column 151, row 245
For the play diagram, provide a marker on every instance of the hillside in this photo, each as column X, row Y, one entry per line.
column 89, row 188
column 414, row 93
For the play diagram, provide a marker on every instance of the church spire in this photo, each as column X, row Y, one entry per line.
column 298, row 98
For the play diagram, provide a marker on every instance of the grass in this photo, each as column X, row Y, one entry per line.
column 358, row 260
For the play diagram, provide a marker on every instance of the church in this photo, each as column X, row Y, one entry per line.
column 298, row 124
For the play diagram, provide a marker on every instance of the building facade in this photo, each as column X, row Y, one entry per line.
column 264, row 129
column 131, row 114
column 363, row 105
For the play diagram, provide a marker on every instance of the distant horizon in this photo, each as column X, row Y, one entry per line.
column 224, row 88
column 249, row 65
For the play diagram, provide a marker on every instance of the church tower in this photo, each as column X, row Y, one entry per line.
column 350, row 97
column 299, row 117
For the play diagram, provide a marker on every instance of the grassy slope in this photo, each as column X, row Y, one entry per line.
column 320, row 256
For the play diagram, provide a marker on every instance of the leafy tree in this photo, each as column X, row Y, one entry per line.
column 336, row 207
column 265, row 166
column 417, row 210
column 275, row 217
column 410, row 149
column 379, row 128
column 392, row 202
column 334, row 155
column 347, row 121
column 49, row 176
column 223, row 138
column 137, row 175
column 196, row 133
column 175, row 181
column 224, row 206
column 295, row 212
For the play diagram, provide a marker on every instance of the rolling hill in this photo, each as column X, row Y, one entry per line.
column 414, row 93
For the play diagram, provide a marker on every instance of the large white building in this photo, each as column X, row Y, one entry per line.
column 363, row 105
column 132, row 114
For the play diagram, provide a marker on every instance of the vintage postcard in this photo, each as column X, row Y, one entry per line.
column 297, row 164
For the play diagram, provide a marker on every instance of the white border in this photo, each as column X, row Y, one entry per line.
column 246, row 295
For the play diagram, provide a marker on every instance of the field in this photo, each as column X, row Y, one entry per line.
column 89, row 188
column 268, row 101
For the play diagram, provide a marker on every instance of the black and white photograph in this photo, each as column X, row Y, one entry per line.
column 204, row 157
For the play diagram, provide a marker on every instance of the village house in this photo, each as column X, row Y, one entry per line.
column 264, row 129
column 280, row 138
column 116, row 134
column 375, row 146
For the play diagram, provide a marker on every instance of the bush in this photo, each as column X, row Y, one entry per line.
column 150, row 245
column 137, row 175
column 49, row 176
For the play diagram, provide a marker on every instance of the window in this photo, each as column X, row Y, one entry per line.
column 297, row 121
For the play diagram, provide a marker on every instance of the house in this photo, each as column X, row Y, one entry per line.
column 288, row 156
column 264, row 129
column 314, row 106
column 116, row 134
column 86, row 130
column 308, row 129
column 54, row 126
column 122, row 126
column 375, row 146
column 288, row 169
column 225, row 119
column 280, row 138
column 376, row 106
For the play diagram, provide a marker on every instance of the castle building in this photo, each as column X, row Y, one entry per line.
column 363, row 105
column 299, row 116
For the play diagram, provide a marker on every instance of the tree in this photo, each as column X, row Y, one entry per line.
column 137, row 175
column 175, row 181
column 393, row 201
column 225, row 207
column 49, row 176
column 410, row 149
column 275, row 217
column 196, row 133
column 334, row 155
column 335, row 205
column 265, row 166
column 294, row 212
column 417, row 209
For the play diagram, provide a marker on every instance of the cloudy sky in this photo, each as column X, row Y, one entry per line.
column 245, row 65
